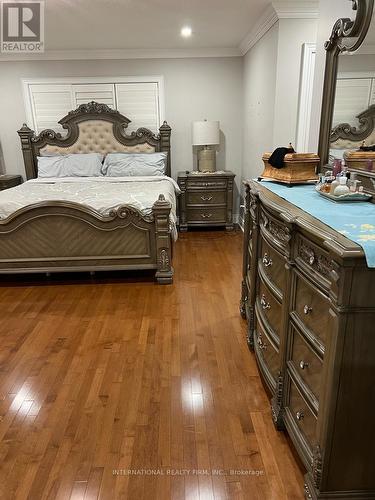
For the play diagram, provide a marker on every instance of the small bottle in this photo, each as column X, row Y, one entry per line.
column 342, row 188
column 370, row 165
column 335, row 184
column 337, row 165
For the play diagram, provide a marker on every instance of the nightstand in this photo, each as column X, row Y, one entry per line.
column 9, row 181
column 206, row 199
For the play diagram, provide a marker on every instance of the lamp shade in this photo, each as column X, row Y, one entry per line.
column 206, row 133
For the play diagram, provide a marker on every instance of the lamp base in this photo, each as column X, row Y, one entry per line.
column 207, row 160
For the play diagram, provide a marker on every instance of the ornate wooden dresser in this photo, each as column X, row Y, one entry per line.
column 309, row 299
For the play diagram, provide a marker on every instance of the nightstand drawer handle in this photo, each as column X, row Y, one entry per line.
column 263, row 302
column 300, row 415
column 307, row 310
column 206, row 216
column 267, row 261
column 303, row 365
column 262, row 346
column 206, row 198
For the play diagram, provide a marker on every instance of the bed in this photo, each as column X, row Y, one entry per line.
column 345, row 137
column 65, row 234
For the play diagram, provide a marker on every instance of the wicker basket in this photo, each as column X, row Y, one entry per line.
column 299, row 168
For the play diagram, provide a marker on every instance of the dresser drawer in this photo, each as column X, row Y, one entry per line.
column 270, row 309
column 275, row 230
column 273, row 266
column 311, row 307
column 207, row 215
column 206, row 197
column 268, row 354
column 306, row 363
column 302, row 415
column 211, row 183
column 314, row 261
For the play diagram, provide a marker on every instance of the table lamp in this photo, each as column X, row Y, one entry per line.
column 207, row 134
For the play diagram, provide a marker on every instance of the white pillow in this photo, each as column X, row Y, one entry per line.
column 134, row 164
column 72, row 165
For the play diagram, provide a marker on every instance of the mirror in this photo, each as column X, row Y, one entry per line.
column 343, row 92
column 353, row 119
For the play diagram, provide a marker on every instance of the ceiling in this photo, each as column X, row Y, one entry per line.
column 148, row 24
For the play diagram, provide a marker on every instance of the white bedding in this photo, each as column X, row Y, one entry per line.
column 100, row 193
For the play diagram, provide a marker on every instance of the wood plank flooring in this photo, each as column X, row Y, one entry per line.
column 122, row 389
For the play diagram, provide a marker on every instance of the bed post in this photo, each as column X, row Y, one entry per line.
column 26, row 135
column 161, row 210
column 165, row 144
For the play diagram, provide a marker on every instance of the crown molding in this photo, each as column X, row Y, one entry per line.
column 108, row 54
column 296, row 9
column 265, row 23
column 279, row 10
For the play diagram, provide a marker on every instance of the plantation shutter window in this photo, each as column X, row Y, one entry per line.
column 140, row 101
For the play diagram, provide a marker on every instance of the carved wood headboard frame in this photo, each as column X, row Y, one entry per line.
column 348, row 132
column 32, row 144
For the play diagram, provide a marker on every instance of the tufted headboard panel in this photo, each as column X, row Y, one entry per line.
column 92, row 128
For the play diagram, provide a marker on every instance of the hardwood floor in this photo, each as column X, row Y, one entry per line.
column 100, row 398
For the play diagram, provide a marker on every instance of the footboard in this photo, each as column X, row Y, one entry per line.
column 62, row 236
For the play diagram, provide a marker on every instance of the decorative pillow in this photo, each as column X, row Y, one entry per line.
column 134, row 164
column 72, row 165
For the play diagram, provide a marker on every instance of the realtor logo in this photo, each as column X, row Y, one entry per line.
column 22, row 27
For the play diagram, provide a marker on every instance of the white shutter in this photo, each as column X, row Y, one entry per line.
column 140, row 103
column 49, row 103
column 352, row 97
column 100, row 92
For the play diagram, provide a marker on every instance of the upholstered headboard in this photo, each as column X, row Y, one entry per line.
column 92, row 128
column 344, row 136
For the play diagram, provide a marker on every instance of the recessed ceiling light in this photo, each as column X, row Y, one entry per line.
column 186, row 31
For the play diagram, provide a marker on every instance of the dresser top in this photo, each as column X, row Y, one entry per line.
column 290, row 213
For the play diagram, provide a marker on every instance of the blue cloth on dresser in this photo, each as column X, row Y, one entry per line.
column 355, row 220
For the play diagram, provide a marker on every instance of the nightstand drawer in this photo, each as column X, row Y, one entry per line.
column 9, row 181
column 206, row 197
column 207, row 215
column 212, row 183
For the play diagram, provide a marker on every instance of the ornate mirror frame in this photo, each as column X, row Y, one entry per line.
column 347, row 36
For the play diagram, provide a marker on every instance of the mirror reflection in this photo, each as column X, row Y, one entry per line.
column 353, row 125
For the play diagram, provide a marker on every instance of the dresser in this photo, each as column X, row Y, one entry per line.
column 309, row 300
column 206, row 200
column 9, row 181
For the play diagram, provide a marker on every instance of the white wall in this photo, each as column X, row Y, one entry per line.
column 194, row 89
column 260, row 67
column 293, row 34
column 272, row 74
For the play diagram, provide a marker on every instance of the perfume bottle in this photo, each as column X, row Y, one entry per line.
column 342, row 188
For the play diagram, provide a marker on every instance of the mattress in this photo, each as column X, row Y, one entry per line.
column 102, row 194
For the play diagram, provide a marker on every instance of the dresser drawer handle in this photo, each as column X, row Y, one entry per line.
column 300, row 415
column 267, row 261
column 262, row 346
column 263, row 302
column 307, row 310
column 206, row 216
column 206, row 198
column 303, row 365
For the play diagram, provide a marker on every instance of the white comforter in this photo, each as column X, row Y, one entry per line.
column 100, row 193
